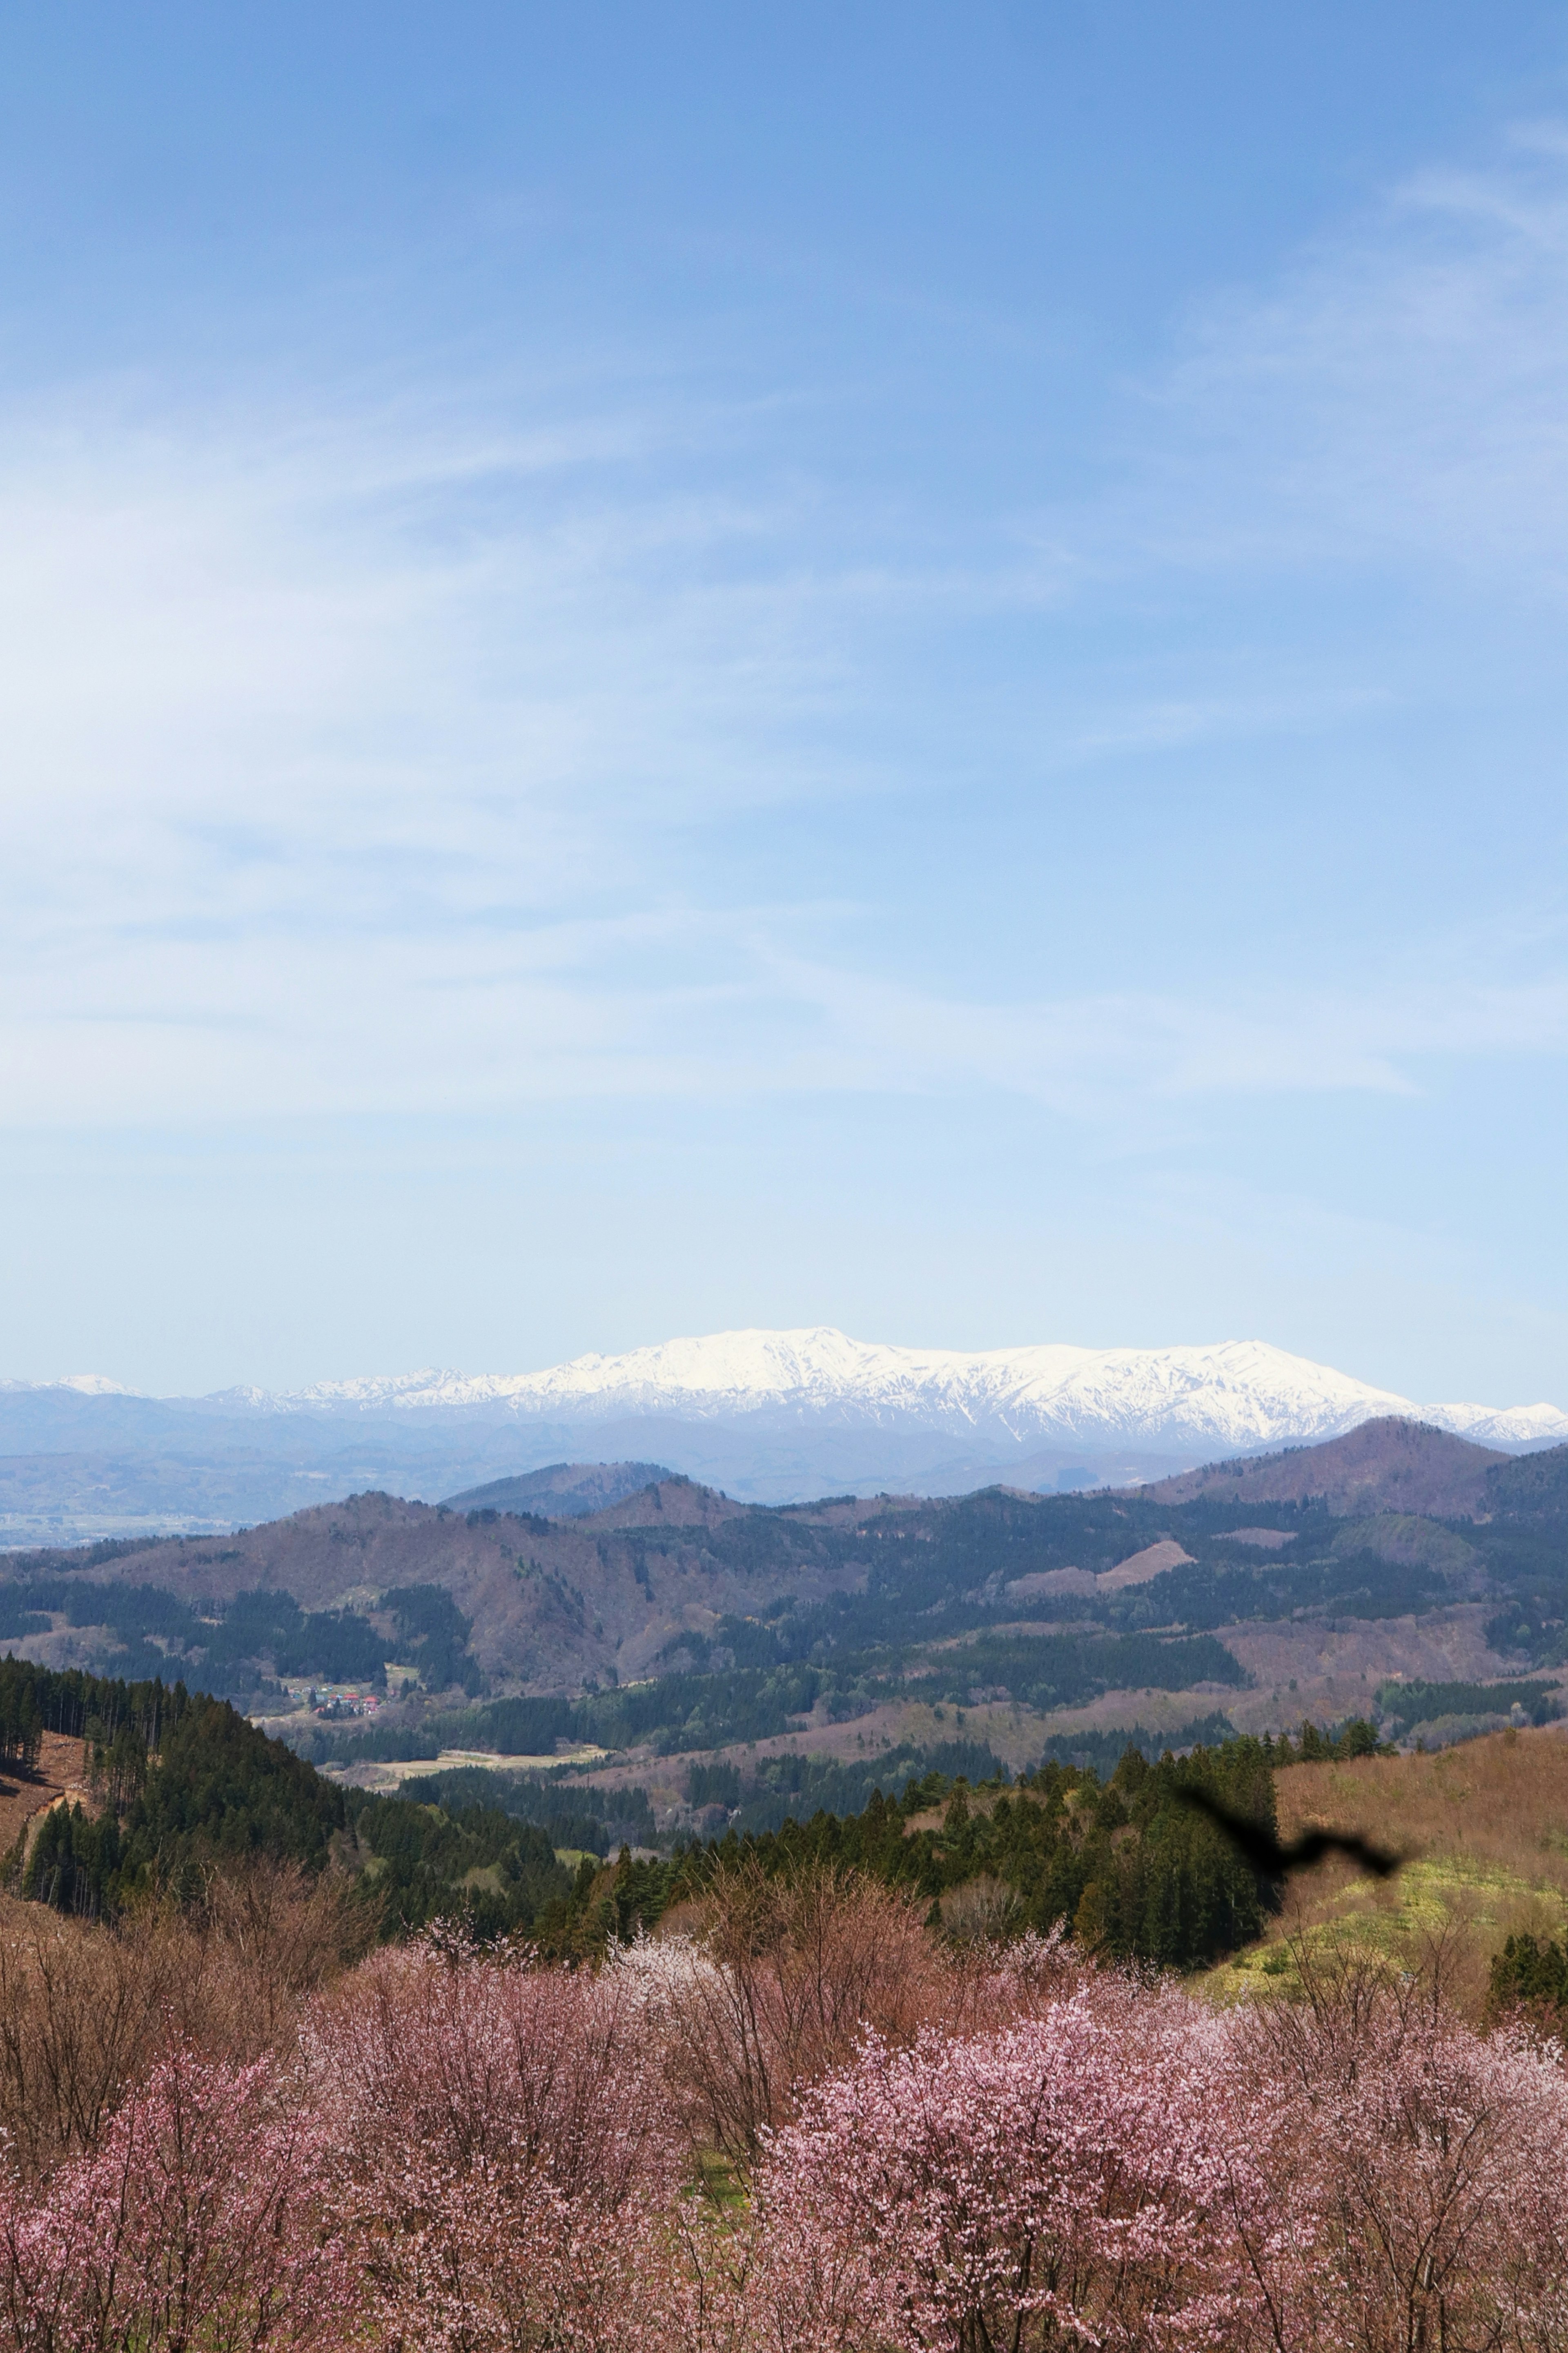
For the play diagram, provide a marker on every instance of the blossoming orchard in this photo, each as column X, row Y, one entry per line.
column 797, row 2119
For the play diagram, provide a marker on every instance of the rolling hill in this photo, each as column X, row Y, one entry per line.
column 1387, row 1465
column 678, row 1621
column 561, row 1491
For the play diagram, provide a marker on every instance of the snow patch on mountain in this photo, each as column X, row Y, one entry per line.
column 83, row 1383
column 1511, row 1425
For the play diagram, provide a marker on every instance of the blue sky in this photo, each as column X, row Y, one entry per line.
column 671, row 669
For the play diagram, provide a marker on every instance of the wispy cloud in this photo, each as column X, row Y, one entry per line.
column 1401, row 394
column 683, row 1004
column 358, row 750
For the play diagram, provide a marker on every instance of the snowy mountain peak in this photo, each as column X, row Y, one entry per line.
column 1235, row 1396
column 83, row 1383
column 1511, row 1425
column 795, row 1395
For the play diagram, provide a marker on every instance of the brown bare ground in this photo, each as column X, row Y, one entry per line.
column 61, row 1773
column 1500, row 1803
column 1336, row 1666
column 1140, row 1567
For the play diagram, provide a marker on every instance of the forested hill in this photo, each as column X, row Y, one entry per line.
column 183, row 1788
column 562, row 1491
column 1381, row 1466
column 180, row 1783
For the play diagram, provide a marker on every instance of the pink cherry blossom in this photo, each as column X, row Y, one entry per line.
column 509, row 2162
column 473, row 2153
column 201, row 2219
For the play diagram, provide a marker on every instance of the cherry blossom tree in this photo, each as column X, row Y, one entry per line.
column 508, row 2153
column 473, row 2153
column 200, row 2218
column 1430, row 2163
column 1066, row 2180
column 1128, row 2168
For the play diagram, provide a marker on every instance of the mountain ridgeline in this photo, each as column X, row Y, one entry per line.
column 676, row 1619
column 688, row 1641
column 770, row 1417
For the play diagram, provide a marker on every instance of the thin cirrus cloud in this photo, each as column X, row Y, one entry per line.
column 365, row 757
column 1087, row 1055
column 1403, row 393
column 566, row 1012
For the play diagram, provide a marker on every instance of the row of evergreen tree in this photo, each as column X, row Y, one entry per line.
column 98, row 1708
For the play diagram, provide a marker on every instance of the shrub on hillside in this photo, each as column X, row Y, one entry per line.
column 86, row 2012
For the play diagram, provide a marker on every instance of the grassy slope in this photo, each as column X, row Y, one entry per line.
column 1486, row 1829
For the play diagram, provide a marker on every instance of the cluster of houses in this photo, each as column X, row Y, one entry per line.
column 334, row 1702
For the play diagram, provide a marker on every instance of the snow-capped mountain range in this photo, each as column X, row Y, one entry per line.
column 1231, row 1398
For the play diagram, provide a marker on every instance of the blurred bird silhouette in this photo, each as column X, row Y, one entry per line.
column 1263, row 1851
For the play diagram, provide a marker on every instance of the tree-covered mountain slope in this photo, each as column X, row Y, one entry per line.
column 561, row 1491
